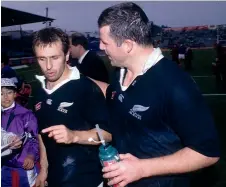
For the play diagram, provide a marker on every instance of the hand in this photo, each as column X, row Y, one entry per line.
column 41, row 179
column 61, row 134
column 124, row 172
column 28, row 162
column 15, row 142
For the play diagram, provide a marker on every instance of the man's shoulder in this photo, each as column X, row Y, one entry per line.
column 167, row 70
column 168, row 76
column 88, row 83
column 92, row 55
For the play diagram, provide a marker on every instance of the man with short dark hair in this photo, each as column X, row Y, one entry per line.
column 67, row 107
column 89, row 63
column 6, row 70
column 159, row 121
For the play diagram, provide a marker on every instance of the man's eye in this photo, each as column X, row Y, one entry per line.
column 41, row 59
column 55, row 57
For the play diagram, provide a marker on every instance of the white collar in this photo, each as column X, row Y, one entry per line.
column 12, row 105
column 82, row 57
column 153, row 58
column 73, row 76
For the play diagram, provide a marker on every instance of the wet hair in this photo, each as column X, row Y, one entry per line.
column 50, row 35
column 127, row 21
column 79, row 39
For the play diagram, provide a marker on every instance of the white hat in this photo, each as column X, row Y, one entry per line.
column 7, row 82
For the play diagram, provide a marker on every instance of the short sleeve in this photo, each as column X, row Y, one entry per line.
column 95, row 108
column 192, row 121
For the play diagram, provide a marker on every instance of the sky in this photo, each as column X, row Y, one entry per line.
column 82, row 16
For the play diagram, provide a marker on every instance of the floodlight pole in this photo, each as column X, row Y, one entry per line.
column 47, row 12
column 218, row 34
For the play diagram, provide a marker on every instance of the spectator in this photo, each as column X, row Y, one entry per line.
column 7, row 71
column 20, row 166
column 89, row 63
column 188, row 59
column 175, row 54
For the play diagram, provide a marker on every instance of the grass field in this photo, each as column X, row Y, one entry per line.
column 216, row 175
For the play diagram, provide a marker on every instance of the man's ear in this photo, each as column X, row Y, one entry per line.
column 128, row 46
column 67, row 56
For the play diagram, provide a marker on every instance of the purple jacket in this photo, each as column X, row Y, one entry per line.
column 23, row 121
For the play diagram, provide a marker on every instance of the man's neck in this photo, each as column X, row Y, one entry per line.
column 82, row 55
column 136, row 64
column 7, row 108
column 82, row 52
column 65, row 75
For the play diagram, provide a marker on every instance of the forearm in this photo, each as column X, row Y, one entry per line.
column 81, row 137
column 183, row 161
column 43, row 156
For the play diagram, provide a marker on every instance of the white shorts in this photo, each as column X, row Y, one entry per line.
column 181, row 56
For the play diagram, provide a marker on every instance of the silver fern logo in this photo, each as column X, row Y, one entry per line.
column 63, row 105
column 138, row 108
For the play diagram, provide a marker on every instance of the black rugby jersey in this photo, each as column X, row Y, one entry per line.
column 161, row 112
column 78, row 104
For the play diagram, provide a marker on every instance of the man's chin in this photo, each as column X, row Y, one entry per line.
column 114, row 64
column 6, row 105
column 51, row 79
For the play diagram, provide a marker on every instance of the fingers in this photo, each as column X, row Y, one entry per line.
column 28, row 164
column 16, row 145
column 122, row 184
column 55, row 132
column 125, row 156
column 58, row 137
column 115, row 180
column 53, row 128
column 39, row 183
column 112, row 174
column 16, row 142
column 25, row 164
column 112, row 167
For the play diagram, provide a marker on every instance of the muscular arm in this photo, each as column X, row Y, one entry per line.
column 183, row 161
column 64, row 135
column 131, row 169
column 193, row 122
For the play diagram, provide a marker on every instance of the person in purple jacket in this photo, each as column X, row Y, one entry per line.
column 19, row 168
